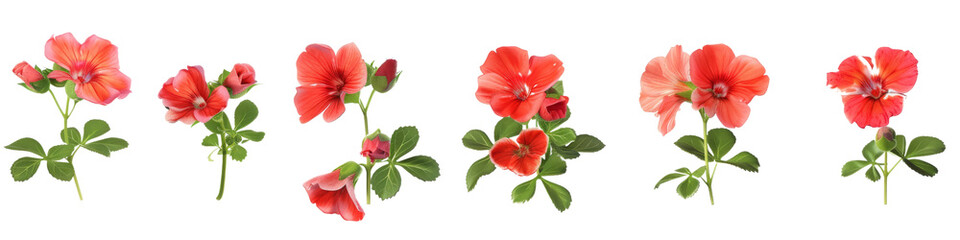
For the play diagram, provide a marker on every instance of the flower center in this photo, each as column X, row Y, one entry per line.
column 199, row 103
column 523, row 151
column 720, row 90
column 874, row 89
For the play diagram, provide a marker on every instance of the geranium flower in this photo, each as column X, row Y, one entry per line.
column 93, row 66
column 188, row 99
column 334, row 196
column 376, row 146
column 726, row 83
column 663, row 79
column 514, row 85
column 523, row 159
column 240, row 78
column 554, row 108
column 873, row 90
column 325, row 78
column 27, row 73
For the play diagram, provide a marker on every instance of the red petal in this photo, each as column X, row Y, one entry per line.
column 63, row 50
column 98, row 53
column 732, row 112
column 668, row 113
column 709, row 63
column 507, row 61
column 701, row 98
column 216, row 102
column 504, row 154
column 535, row 139
column 898, row 69
column 316, row 65
column 504, row 105
column 526, row 109
column 491, row 84
column 544, row 72
column 851, row 75
column 867, row 111
column 352, row 68
column 748, row 79
column 311, row 101
column 335, row 109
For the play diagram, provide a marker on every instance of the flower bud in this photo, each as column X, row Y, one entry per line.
column 386, row 76
column 27, row 73
column 376, row 146
column 240, row 79
column 886, row 139
column 553, row 108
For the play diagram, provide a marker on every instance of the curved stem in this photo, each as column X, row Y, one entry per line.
column 706, row 157
column 223, row 170
column 366, row 129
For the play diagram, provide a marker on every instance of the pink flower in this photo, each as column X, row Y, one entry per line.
column 93, row 66
column 241, row 77
column 188, row 99
column 873, row 89
column 660, row 84
column 514, row 84
column 553, row 108
column 326, row 78
column 726, row 83
column 376, row 146
column 27, row 73
column 334, row 196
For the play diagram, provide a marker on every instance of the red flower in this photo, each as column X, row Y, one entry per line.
column 663, row 79
column 376, row 146
column 27, row 73
column 325, row 78
column 513, row 85
column 388, row 70
column 553, row 108
column 524, row 159
column 93, row 66
column 241, row 77
column 873, row 90
column 334, row 196
column 726, row 83
column 188, row 98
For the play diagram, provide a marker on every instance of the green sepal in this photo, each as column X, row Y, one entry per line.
column 348, row 169
column 70, row 89
column 352, row 97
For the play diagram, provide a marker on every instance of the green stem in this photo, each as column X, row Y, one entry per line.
column 366, row 129
column 369, row 168
column 886, row 175
column 706, row 156
column 223, row 170
column 75, row 181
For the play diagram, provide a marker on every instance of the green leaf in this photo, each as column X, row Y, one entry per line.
column 558, row 194
column 699, row 172
column 245, row 113
column 921, row 167
column 252, row 135
column 57, row 67
column 238, row 153
column 97, row 148
column 506, row 128
column 59, row 152
column 421, row 167
column 667, row 178
column 562, row 136
column 549, row 126
column 688, row 187
column 477, row 140
column 70, row 88
column 386, row 181
column 871, row 152
column 565, row 152
column 683, row 170
column 24, row 168
column 901, row 147
column 524, row 191
column 71, row 136
column 94, row 128
column 403, row 141
column 744, row 160
column 553, row 165
column 720, row 141
column 210, row 140
column 556, row 90
column 218, row 124
column 348, row 169
column 479, row 169
column 693, row 145
column 586, row 143
column 873, row 174
column 29, row 145
column 112, row 144
column 62, row 171
column 852, row 167
column 223, row 77
column 924, row 146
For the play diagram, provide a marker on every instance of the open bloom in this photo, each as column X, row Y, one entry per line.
column 514, row 85
column 93, row 66
column 326, row 78
column 873, row 89
column 241, row 77
column 376, row 146
column 188, row 99
column 554, row 108
column 522, row 159
column 27, row 73
column 334, row 196
column 663, row 79
column 387, row 70
column 726, row 83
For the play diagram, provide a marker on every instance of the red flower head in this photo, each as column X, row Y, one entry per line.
column 188, row 98
column 513, row 85
column 554, row 108
column 387, row 70
column 376, row 146
column 334, row 196
column 873, row 88
column 325, row 78
column 241, row 77
column 27, row 73
column 524, row 159
column 726, row 83
column 663, row 79
column 93, row 66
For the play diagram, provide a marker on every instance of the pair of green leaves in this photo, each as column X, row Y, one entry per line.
column 231, row 136
column 25, row 167
column 386, row 179
column 690, row 184
column 919, row 147
column 558, row 194
column 720, row 141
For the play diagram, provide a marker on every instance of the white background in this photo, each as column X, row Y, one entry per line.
column 162, row 186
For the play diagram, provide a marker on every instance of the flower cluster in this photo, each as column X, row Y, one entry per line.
column 872, row 91
column 519, row 89
column 87, row 72
column 328, row 81
column 190, row 99
column 716, row 82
